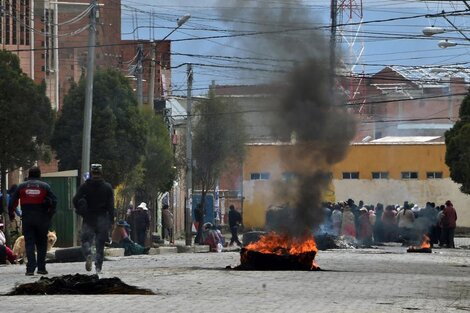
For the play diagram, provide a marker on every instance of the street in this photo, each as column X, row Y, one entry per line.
column 381, row 279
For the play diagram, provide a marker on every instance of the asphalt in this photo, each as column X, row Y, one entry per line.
column 381, row 279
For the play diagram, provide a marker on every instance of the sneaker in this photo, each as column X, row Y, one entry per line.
column 29, row 273
column 42, row 272
column 98, row 270
column 89, row 263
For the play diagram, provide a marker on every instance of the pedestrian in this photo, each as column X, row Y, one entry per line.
column 120, row 238
column 448, row 222
column 9, row 255
column 199, row 220
column 336, row 218
column 378, row 225
column 389, row 221
column 94, row 201
column 213, row 238
column 406, row 219
column 364, row 233
column 38, row 205
column 234, row 221
column 348, row 224
column 141, row 223
column 167, row 222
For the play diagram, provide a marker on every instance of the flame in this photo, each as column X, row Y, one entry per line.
column 283, row 244
column 426, row 243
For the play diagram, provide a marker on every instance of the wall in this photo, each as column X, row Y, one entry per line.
column 362, row 158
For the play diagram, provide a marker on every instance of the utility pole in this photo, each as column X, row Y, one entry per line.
column 152, row 73
column 189, row 159
column 86, row 140
column 334, row 11
column 138, row 70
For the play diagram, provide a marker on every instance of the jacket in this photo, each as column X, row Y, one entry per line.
column 99, row 196
column 36, row 196
column 449, row 217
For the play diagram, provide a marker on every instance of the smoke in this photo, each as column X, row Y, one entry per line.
column 309, row 114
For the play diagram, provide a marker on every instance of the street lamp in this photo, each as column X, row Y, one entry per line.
column 446, row 44
column 432, row 30
column 179, row 22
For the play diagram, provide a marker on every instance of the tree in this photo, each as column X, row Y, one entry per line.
column 458, row 147
column 219, row 138
column 117, row 133
column 26, row 118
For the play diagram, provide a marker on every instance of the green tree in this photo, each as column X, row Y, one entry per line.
column 117, row 134
column 219, row 140
column 458, row 147
column 158, row 162
column 26, row 117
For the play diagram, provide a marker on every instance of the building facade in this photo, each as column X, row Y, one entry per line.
column 377, row 172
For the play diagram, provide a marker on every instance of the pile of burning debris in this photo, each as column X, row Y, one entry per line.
column 425, row 246
column 274, row 252
column 77, row 284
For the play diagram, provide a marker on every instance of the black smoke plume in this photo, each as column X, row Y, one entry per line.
column 310, row 113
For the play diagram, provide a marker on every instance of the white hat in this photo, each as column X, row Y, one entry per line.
column 143, row 205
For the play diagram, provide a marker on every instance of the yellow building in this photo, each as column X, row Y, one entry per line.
column 390, row 170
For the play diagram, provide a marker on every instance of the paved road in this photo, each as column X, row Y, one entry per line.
column 385, row 279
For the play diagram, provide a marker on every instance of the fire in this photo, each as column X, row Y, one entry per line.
column 302, row 249
column 283, row 244
column 426, row 243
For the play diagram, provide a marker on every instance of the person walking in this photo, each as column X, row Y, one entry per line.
column 38, row 205
column 199, row 220
column 94, row 201
column 234, row 221
column 448, row 222
column 167, row 221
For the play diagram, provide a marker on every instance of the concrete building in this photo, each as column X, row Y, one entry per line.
column 390, row 171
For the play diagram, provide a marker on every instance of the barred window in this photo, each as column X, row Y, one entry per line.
column 409, row 175
column 350, row 175
column 433, row 175
column 379, row 175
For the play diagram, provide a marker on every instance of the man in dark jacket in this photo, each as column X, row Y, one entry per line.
column 94, row 201
column 234, row 220
column 449, row 222
column 38, row 205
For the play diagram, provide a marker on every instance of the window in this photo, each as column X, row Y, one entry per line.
column 379, row 175
column 288, row 176
column 258, row 176
column 350, row 175
column 409, row 175
column 432, row 175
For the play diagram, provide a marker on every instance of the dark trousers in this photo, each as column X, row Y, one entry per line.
column 3, row 255
column 198, row 238
column 447, row 237
column 95, row 230
column 234, row 231
column 35, row 228
column 141, row 236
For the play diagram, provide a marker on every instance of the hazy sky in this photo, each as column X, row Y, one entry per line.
column 229, row 58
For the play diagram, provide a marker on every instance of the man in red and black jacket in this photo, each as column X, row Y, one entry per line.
column 38, row 205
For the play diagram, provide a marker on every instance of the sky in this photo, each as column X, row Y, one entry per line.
column 219, row 41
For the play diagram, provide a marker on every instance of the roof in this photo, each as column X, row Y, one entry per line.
column 407, row 139
column 433, row 76
column 178, row 112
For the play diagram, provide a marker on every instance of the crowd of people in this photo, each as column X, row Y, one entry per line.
column 407, row 223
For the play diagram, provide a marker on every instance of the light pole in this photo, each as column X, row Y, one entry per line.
column 189, row 159
column 86, row 140
column 153, row 47
column 179, row 23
